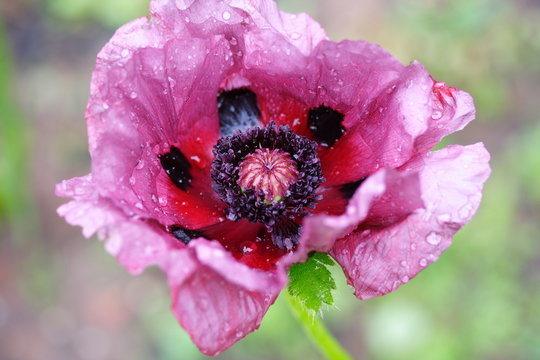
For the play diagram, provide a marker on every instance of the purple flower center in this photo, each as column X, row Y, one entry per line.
column 269, row 176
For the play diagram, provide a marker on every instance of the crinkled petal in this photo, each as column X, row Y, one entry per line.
column 453, row 109
column 206, row 17
column 377, row 260
column 151, row 91
column 384, row 132
column 319, row 232
column 217, row 299
column 134, row 242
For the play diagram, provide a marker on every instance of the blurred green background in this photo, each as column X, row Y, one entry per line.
column 63, row 297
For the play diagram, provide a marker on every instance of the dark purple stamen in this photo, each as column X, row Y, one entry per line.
column 285, row 233
column 248, row 203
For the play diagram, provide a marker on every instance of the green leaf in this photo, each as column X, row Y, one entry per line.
column 311, row 283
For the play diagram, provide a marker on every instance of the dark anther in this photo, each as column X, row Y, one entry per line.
column 325, row 125
column 349, row 189
column 285, row 233
column 185, row 235
column 238, row 110
column 177, row 166
column 243, row 154
column 230, row 151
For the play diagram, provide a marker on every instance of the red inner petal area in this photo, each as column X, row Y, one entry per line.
column 248, row 242
column 288, row 111
column 332, row 203
column 195, row 208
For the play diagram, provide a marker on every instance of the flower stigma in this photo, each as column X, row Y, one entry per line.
column 269, row 171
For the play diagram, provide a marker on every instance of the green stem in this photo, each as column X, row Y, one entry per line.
column 318, row 333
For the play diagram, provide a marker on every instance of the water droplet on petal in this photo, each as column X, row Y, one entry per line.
column 295, row 36
column 443, row 218
column 433, row 238
column 226, row 15
column 436, row 115
column 465, row 212
column 125, row 52
column 423, row 262
column 248, row 247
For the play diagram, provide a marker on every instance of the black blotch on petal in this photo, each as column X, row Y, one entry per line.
column 349, row 189
column 238, row 110
column 177, row 166
column 185, row 235
column 325, row 125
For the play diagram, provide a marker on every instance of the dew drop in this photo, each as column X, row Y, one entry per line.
column 226, row 15
column 248, row 247
column 295, row 36
column 465, row 212
column 125, row 52
column 403, row 263
column 443, row 218
column 405, row 279
column 423, row 262
column 133, row 95
column 436, row 115
column 433, row 238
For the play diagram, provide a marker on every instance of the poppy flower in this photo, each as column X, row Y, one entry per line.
column 229, row 139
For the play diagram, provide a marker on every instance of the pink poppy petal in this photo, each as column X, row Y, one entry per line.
column 134, row 242
column 385, row 133
column 377, row 260
column 217, row 299
column 82, row 211
column 150, row 92
column 453, row 109
column 319, row 232
column 353, row 73
column 206, row 17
